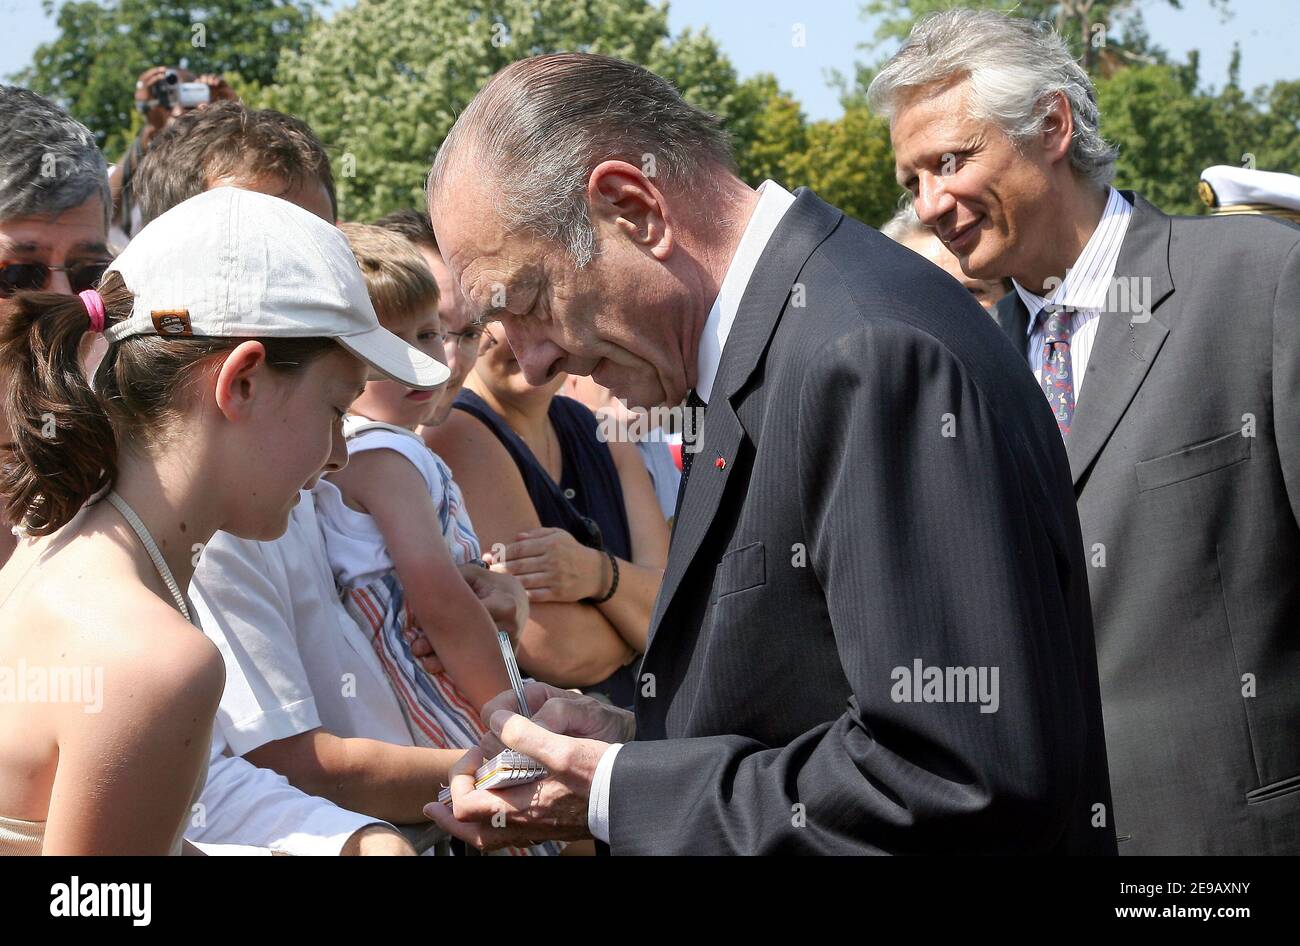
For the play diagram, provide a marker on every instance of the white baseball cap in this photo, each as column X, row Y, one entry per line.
column 232, row 263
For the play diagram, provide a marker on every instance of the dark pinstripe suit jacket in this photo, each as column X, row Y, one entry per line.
column 894, row 494
column 1185, row 455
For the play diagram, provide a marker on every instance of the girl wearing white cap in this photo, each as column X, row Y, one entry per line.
column 239, row 331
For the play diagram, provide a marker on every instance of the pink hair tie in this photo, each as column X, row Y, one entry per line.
column 94, row 303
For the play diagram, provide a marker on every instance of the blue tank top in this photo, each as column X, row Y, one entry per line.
column 587, row 502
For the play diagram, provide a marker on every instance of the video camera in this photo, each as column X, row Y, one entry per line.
column 170, row 91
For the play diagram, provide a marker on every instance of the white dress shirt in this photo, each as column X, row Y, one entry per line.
column 1083, row 290
column 773, row 201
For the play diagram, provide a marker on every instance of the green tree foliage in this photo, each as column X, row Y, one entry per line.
column 102, row 47
column 771, row 133
column 1168, row 132
column 1103, row 33
column 1276, row 141
column 1166, row 136
column 766, row 124
column 849, row 163
column 694, row 63
column 382, row 81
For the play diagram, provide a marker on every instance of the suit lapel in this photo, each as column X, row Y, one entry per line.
column 721, row 438
column 1014, row 319
column 1129, row 335
column 808, row 221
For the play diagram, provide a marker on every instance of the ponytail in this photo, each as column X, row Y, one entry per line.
column 64, row 450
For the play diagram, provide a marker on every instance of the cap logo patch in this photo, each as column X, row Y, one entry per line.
column 171, row 321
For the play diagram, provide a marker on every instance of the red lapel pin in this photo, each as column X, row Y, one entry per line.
column 720, row 463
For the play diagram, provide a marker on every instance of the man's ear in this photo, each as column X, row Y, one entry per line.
column 621, row 194
column 241, row 380
column 1058, row 129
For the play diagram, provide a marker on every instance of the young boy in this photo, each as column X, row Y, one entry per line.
column 383, row 513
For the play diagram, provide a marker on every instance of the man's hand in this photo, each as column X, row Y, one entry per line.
column 561, row 711
column 422, row 650
column 553, row 808
column 219, row 89
column 156, row 117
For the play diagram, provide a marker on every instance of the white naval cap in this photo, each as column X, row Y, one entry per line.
column 1228, row 189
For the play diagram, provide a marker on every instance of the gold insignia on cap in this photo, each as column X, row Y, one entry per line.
column 171, row 321
column 1207, row 194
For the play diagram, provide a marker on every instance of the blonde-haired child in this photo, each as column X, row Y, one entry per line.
column 395, row 525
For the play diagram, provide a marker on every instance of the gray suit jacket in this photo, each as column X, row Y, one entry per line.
column 1185, row 454
column 881, row 485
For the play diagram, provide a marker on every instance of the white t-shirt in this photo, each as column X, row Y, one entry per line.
column 295, row 659
column 249, row 810
column 357, row 551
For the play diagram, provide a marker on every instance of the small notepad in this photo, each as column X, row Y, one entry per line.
column 503, row 770
column 508, row 767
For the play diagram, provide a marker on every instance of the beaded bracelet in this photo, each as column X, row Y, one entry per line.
column 613, row 587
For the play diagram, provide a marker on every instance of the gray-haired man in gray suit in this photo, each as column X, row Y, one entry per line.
column 1169, row 350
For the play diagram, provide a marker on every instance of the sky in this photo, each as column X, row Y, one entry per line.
column 758, row 37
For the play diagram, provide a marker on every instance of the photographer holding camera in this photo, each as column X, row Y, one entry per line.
column 162, row 94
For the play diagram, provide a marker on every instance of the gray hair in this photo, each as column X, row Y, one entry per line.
column 49, row 161
column 538, row 128
column 904, row 225
column 1015, row 68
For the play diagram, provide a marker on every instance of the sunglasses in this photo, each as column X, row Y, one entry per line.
column 31, row 277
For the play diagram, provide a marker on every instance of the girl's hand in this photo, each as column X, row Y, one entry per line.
column 554, row 566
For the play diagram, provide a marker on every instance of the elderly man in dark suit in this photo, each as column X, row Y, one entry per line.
column 873, row 633
column 1169, row 350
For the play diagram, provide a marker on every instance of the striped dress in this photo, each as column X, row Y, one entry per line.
column 437, row 714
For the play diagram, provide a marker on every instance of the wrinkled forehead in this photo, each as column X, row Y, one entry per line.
column 465, row 214
column 930, row 118
column 950, row 96
column 465, row 226
column 67, row 234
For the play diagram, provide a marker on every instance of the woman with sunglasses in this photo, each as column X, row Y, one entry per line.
column 239, row 331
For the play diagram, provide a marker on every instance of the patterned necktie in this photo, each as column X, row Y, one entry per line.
column 692, row 423
column 1057, row 376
